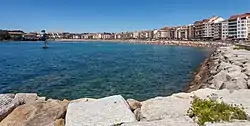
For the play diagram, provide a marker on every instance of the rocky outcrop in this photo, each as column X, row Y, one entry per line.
column 36, row 114
column 26, row 97
column 115, row 110
column 107, row 111
column 133, row 104
column 8, row 103
column 226, row 68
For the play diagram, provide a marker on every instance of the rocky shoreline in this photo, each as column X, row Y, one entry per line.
column 225, row 74
column 156, row 42
column 226, row 68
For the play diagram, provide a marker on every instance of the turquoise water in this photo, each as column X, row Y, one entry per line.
column 97, row 69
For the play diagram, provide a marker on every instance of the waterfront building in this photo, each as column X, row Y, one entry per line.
column 224, row 30
column 198, row 25
column 16, row 34
column 136, row 35
column 31, row 36
column 191, row 32
column 209, row 27
column 217, row 31
column 76, row 36
column 239, row 27
column 181, row 33
column 164, row 33
column 106, row 36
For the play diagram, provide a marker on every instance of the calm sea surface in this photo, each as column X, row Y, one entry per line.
column 97, row 69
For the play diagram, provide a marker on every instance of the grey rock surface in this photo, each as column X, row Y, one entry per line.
column 26, row 97
column 185, row 121
column 7, row 104
column 102, row 112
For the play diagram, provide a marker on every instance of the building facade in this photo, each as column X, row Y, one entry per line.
column 224, row 30
column 239, row 27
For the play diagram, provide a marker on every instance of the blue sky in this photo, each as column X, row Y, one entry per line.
column 111, row 15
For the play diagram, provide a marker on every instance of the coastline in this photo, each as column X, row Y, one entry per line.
column 156, row 42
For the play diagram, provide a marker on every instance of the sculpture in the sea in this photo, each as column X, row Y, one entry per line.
column 43, row 38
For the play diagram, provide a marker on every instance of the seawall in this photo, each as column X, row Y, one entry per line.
column 226, row 68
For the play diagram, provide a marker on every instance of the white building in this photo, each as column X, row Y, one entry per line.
column 224, row 30
column 209, row 27
column 136, row 35
column 239, row 27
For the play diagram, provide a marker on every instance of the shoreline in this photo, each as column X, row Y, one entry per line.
column 212, row 44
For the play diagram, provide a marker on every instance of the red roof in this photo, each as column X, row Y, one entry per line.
column 165, row 28
column 239, row 16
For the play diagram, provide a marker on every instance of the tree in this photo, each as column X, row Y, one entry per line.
column 4, row 35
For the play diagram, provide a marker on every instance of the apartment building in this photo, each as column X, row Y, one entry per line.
column 164, row 33
column 191, row 32
column 224, row 30
column 209, row 27
column 217, row 30
column 136, row 35
column 239, row 27
column 199, row 26
column 181, row 33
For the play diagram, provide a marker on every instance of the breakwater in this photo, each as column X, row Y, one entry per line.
column 224, row 75
column 157, row 42
column 226, row 68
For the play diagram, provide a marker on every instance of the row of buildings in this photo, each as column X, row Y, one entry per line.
column 236, row 27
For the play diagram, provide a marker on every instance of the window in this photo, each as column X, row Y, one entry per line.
column 243, row 32
column 242, row 24
column 242, row 36
column 243, row 21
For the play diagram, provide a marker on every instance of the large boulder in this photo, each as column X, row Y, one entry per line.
column 7, row 104
column 102, row 112
column 165, row 107
column 176, row 106
column 219, row 79
column 36, row 114
column 26, row 97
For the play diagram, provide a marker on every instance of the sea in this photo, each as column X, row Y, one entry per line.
column 72, row 70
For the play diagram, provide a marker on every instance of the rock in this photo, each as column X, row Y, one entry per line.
column 165, row 107
column 27, row 97
column 36, row 114
column 7, row 104
column 219, row 79
column 41, row 99
column 185, row 121
column 134, row 104
column 58, row 122
column 102, row 112
column 240, row 123
column 138, row 114
column 84, row 100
